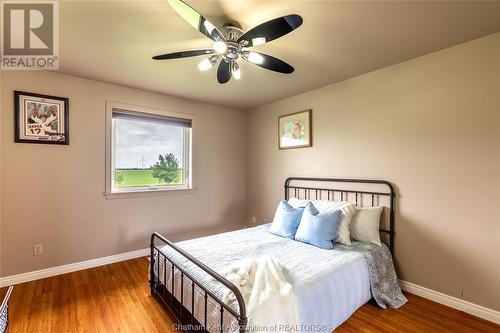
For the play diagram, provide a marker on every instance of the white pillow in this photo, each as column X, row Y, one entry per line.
column 347, row 209
column 365, row 224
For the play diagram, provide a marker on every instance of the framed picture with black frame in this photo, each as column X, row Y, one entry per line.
column 41, row 118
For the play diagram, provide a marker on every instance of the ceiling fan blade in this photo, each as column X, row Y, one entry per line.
column 224, row 72
column 183, row 54
column 271, row 30
column 269, row 62
column 196, row 20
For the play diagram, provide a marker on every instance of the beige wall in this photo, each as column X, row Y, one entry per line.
column 430, row 125
column 1, row 134
column 53, row 194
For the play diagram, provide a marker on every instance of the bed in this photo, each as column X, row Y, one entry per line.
column 330, row 284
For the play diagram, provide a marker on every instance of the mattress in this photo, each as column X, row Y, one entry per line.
column 330, row 285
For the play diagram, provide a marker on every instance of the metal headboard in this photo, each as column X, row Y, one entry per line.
column 345, row 194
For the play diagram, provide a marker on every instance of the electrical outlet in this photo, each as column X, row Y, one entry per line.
column 254, row 220
column 37, row 249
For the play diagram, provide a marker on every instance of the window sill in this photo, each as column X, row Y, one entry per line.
column 147, row 193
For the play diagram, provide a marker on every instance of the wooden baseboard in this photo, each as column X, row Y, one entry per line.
column 453, row 302
column 44, row 273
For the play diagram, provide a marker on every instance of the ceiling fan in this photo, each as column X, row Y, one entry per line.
column 232, row 44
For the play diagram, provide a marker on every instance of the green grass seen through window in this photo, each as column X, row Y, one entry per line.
column 139, row 177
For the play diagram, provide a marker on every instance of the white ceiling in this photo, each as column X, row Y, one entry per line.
column 114, row 41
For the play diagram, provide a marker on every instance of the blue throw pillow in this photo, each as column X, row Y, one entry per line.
column 286, row 220
column 318, row 229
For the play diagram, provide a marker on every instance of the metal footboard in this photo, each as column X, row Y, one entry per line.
column 183, row 313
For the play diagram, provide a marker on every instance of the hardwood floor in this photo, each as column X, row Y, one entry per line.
column 115, row 298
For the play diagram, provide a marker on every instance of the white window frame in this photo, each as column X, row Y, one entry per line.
column 111, row 192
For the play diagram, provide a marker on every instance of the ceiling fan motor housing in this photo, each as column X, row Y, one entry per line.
column 232, row 31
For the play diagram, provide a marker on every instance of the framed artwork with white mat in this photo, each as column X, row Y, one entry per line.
column 295, row 130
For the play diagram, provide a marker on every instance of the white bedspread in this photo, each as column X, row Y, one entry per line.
column 329, row 284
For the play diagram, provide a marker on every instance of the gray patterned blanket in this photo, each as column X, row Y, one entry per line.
column 383, row 280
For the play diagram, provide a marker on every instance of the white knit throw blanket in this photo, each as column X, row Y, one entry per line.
column 270, row 301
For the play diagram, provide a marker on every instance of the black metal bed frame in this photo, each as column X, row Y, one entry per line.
column 185, row 316
column 344, row 196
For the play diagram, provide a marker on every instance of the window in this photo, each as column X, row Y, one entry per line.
column 148, row 152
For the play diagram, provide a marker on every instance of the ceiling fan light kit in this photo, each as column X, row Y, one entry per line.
column 235, row 70
column 230, row 44
column 207, row 63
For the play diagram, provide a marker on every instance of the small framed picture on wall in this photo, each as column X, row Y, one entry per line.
column 40, row 118
column 295, row 130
